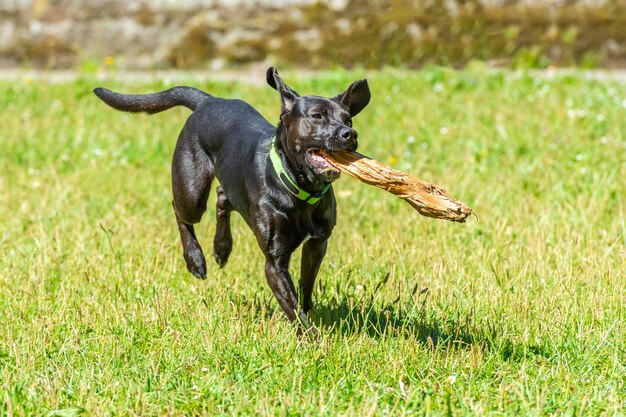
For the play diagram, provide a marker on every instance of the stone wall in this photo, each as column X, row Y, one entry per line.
column 309, row 33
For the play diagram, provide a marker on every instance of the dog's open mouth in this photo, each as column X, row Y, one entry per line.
column 320, row 165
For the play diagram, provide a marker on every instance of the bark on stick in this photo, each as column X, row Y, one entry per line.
column 428, row 199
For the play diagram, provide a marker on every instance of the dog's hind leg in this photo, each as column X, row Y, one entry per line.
column 223, row 240
column 194, row 257
column 192, row 174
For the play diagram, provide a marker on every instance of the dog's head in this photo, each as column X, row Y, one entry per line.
column 313, row 123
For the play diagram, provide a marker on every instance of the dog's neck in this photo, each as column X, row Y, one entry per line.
column 293, row 165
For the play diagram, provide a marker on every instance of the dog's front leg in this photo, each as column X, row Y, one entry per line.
column 278, row 237
column 313, row 252
column 279, row 280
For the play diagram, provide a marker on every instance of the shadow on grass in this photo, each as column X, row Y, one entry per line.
column 348, row 316
column 410, row 318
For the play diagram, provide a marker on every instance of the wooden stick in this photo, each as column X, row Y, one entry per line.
column 428, row 199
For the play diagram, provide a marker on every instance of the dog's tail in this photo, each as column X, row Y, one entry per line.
column 153, row 103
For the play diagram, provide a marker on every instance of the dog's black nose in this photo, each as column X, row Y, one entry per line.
column 348, row 137
column 349, row 134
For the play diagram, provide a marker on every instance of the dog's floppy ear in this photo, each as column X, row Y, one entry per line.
column 356, row 97
column 287, row 95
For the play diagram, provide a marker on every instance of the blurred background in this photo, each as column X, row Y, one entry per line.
column 219, row 34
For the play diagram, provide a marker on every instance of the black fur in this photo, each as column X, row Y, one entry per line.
column 153, row 103
column 230, row 140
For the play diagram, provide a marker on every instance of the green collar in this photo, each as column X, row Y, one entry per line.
column 289, row 183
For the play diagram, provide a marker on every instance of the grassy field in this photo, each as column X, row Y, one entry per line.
column 519, row 312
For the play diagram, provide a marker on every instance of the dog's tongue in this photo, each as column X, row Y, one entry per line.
column 320, row 163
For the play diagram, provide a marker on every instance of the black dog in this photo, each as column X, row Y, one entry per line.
column 273, row 177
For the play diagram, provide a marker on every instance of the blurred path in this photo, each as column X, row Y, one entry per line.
column 252, row 75
column 62, row 76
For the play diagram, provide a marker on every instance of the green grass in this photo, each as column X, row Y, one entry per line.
column 518, row 312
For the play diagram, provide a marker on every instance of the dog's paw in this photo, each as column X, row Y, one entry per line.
column 221, row 258
column 221, row 262
column 221, row 252
column 198, row 272
column 311, row 333
column 196, row 264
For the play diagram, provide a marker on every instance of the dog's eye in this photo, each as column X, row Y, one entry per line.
column 316, row 115
column 349, row 123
